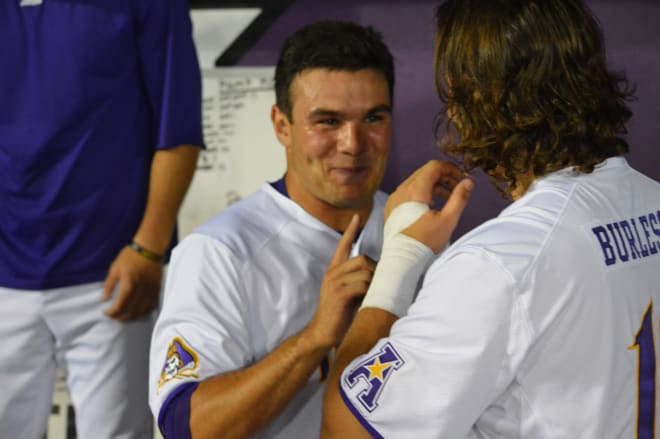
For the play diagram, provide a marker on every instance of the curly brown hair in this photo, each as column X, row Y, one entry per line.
column 526, row 88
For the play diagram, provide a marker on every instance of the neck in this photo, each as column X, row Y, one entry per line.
column 335, row 217
column 338, row 218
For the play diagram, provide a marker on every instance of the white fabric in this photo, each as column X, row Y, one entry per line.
column 240, row 285
column 404, row 216
column 402, row 262
column 521, row 328
column 395, row 282
column 104, row 362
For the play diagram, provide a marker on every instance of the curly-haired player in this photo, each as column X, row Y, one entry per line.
column 539, row 323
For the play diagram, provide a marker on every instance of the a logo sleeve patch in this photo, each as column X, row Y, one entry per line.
column 181, row 361
column 371, row 375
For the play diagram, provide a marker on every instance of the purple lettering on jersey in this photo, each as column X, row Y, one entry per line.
column 622, row 251
column 626, row 237
column 644, row 248
column 625, row 226
column 375, row 371
column 644, row 222
column 604, row 241
column 654, row 219
column 646, row 376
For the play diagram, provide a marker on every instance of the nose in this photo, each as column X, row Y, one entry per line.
column 349, row 140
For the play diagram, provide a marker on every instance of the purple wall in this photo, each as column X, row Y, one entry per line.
column 633, row 43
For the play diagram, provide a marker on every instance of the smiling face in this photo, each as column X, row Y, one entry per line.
column 338, row 141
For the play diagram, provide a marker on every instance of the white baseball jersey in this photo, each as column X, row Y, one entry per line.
column 239, row 286
column 538, row 324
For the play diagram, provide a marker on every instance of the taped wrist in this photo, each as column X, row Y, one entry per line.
column 403, row 216
column 402, row 262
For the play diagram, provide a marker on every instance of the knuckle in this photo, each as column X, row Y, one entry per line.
column 363, row 261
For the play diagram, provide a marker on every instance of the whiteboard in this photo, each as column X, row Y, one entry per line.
column 215, row 29
column 242, row 151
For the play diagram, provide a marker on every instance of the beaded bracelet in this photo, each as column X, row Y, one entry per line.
column 155, row 257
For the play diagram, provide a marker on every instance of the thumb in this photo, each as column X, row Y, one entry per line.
column 435, row 228
column 456, row 203
column 109, row 284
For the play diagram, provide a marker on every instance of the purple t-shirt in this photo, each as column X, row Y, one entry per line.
column 90, row 90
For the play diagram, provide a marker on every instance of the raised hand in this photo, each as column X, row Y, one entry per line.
column 344, row 284
column 435, row 178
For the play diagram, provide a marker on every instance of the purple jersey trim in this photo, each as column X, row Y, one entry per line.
column 372, row 431
column 280, row 186
column 174, row 416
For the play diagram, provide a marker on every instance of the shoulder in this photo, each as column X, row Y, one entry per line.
column 248, row 224
column 515, row 238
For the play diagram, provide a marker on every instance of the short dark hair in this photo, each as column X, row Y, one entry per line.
column 333, row 45
column 526, row 85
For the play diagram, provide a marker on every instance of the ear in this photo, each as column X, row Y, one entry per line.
column 281, row 125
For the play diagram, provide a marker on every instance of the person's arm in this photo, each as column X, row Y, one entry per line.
column 432, row 229
column 241, row 403
column 170, row 77
column 139, row 278
column 369, row 326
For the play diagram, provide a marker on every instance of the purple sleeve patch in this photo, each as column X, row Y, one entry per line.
column 174, row 416
column 374, row 372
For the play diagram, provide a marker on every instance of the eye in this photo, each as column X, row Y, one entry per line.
column 373, row 118
column 328, row 121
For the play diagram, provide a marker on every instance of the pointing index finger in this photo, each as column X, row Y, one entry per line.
column 343, row 250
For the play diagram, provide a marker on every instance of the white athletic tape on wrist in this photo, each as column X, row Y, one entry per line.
column 403, row 216
column 402, row 263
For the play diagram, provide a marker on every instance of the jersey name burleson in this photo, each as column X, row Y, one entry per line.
column 629, row 239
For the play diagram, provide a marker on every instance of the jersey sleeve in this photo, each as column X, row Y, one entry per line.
column 202, row 327
column 170, row 70
column 446, row 359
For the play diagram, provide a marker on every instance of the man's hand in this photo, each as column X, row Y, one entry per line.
column 139, row 282
column 435, row 178
column 344, row 284
column 432, row 229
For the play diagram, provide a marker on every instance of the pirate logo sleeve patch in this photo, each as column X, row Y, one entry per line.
column 181, row 362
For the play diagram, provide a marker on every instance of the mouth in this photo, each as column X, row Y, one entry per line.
column 349, row 174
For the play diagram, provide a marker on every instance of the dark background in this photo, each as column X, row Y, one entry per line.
column 632, row 33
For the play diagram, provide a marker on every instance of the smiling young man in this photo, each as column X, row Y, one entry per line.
column 254, row 300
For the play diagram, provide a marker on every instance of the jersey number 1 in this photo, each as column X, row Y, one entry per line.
column 645, row 376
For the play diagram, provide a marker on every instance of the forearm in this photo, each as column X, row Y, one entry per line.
column 171, row 173
column 369, row 325
column 412, row 234
column 242, row 403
